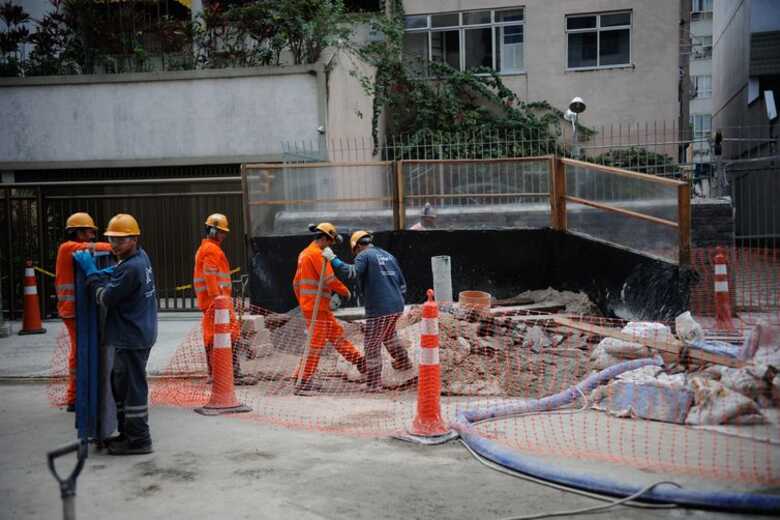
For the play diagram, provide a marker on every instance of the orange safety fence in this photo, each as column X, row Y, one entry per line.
column 693, row 417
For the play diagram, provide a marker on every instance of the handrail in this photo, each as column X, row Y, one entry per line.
column 623, row 173
column 622, row 211
column 283, row 166
column 535, row 158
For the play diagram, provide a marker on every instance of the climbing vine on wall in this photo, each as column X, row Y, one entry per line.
column 433, row 103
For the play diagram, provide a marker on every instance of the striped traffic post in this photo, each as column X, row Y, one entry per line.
column 722, row 299
column 428, row 422
column 31, row 323
column 223, row 395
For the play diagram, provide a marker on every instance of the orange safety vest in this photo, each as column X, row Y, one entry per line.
column 212, row 274
column 307, row 279
column 64, row 276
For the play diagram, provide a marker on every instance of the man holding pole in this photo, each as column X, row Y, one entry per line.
column 314, row 285
column 383, row 286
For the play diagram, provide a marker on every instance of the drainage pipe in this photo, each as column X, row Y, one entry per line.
column 664, row 492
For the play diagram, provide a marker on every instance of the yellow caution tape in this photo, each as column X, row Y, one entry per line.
column 44, row 271
column 189, row 285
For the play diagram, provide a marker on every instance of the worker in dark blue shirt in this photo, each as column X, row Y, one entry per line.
column 383, row 287
column 127, row 291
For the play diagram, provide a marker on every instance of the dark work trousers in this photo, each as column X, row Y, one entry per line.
column 381, row 330
column 131, row 393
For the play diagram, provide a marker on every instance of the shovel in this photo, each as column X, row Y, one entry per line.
column 68, row 485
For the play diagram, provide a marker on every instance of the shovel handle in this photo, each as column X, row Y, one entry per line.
column 68, row 485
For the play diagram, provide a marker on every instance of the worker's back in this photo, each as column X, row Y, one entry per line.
column 381, row 282
column 211, row 276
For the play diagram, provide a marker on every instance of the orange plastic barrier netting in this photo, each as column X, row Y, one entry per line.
column 753, row 283
column 58, row 374
column 691, row 418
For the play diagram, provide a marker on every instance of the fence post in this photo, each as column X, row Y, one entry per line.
column 558, row 194
column 684, row 223
column 399, row 214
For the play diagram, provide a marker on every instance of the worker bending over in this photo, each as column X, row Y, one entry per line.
column 81, row 231
column 210, row 279
column 315, row 275
column 127, row 291
column 383, row 286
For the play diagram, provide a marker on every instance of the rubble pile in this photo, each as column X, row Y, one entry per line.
column 688, row 393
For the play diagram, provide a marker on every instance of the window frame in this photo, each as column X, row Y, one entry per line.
column 695, row 10
column 598, row 29
column 699, row 91
column 493, row 25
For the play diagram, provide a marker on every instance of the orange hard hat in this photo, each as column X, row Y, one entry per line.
column 357, row 236
column 219, row 221
column 326, row 228
column 80, row 220
column 122, row 225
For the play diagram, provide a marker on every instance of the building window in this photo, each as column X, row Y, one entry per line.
column 702, row 126
column 702, row 47
column 491, row 38
column 701, row 6
column 702, row 86
column 598, row 40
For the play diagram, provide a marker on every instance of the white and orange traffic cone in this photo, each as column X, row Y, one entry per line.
column 223, row 393
column 722, row 298
column 31, row 323
column 428, row 426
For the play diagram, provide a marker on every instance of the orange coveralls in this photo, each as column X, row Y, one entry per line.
column 326, row 328
column 64, row 284
column 211, row 279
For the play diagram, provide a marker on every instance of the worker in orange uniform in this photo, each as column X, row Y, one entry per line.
column 211, row 279
column 306, row 284
column 81, row 231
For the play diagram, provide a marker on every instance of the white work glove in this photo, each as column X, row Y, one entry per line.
column 335, row 302
column 328, row 254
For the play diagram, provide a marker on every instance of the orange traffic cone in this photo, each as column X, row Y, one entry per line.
column 428, row 422
column 223, row 393
column 31, row 324
column 722, row 299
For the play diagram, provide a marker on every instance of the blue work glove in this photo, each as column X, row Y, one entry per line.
column 107, row 270
column 87, row 263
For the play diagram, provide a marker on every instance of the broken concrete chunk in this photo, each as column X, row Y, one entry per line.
column 716, row 404
column 536, row 339
column 649, row 400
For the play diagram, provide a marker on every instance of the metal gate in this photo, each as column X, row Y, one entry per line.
column 170, row 212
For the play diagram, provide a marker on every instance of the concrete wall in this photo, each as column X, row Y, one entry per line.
column 193, row 117
column 644, row 91
column 730, row 61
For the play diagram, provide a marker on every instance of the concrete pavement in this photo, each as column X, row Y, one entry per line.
column 220, row 467
column 31, row 356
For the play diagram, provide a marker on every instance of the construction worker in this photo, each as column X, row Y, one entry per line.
column 210, row 279
column 128, row 293
column 383, row 286
column 427, row 219
column 315, row 276
column 81, row 231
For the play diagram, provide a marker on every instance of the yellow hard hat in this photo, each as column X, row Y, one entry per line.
column 122, row 225
column 80, row 220
column 219, row 221
column 326, row 228
column 356, row 236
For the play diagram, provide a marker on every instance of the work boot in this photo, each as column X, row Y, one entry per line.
column 361, row 365
column 402, row 364
column 116, row 438
column 307, row 385
column 244, row 380
column 126, row 448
